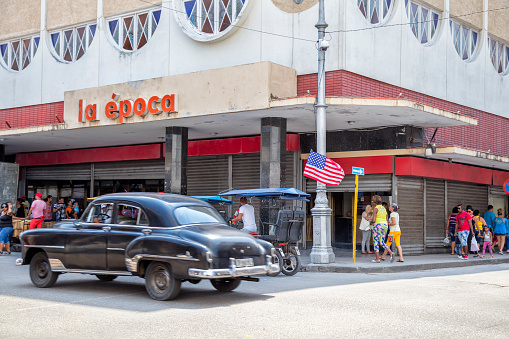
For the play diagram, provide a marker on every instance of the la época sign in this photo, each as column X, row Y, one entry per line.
column 125, row 109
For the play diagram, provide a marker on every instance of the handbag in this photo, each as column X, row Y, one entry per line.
column 364, row 226
column 473, row 245
column 447, row 241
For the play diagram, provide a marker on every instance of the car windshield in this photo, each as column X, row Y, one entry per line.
column 197, row 215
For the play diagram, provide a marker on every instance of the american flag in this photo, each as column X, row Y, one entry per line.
column 323, row 169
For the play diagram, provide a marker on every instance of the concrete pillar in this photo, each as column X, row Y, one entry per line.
column 272, row 165
column 175, row 160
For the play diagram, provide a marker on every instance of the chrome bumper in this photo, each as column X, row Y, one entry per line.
column 19, row 262
column 234, row 271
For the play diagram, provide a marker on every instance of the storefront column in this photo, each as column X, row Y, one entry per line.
column 175, row 160
column 272, row 165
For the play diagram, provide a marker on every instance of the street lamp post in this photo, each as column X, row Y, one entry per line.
column 321, row 252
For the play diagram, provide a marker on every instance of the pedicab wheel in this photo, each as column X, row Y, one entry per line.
column 105, row 277
column 277, row 260
column 291, row 264
column 160, row 283
column 40, row 271
column 225, row 285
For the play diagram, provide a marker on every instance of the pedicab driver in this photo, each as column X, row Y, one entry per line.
column 247, row 215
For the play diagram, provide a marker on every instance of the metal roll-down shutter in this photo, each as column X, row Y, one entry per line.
column 411, row 212
column 435, row 213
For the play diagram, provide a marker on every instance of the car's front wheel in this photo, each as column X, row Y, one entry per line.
column 105, row 277
column 40, row 271
column 160, row 283
column 225, row 285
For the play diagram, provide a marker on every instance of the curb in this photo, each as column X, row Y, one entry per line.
column 393, row 268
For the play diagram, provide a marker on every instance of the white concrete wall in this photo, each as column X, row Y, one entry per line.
column 390, row 54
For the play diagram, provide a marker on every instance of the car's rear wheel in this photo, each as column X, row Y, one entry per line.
column 277, row 260
column 40, row 271
column 225, row 285
column 160, row 283
column 105, row 277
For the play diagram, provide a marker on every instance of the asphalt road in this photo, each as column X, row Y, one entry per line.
column 470, row 302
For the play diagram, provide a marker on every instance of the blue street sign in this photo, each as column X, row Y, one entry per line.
column 358, row 170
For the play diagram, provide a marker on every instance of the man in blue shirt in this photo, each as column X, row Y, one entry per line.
column 489, row 217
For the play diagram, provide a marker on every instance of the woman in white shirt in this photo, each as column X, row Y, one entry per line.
column 366, row 230
column 394, row 232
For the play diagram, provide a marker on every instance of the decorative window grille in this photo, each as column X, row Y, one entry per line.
column 424, row 21
column 16, row 55
column 70, row 44
column 212, row 16
column 499, row 54
column 375, row 11
column 132, row 32
column 465, row 40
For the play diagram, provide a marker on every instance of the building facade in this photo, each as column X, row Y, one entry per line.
column 200, row 96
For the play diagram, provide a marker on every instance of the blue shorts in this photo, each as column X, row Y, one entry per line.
column 5, row 234
column 463, row 237
column 451, row 233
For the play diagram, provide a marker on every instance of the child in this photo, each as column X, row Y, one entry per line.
column 487, row 241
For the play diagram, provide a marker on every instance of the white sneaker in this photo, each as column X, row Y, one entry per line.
column 460, row 257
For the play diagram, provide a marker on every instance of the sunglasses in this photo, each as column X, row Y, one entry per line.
column 4, row 206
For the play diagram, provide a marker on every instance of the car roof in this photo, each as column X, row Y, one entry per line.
column 166, row 197
column 155, row 204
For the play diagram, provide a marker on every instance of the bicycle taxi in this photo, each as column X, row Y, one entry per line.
column 286, row 231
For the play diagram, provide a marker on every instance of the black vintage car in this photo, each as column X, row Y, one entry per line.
column 164, row 238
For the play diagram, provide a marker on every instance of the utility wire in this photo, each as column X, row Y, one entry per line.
column 410, row 23
column 338, row 31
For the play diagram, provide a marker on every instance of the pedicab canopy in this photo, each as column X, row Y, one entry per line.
column 269, row 193
column 214, row 199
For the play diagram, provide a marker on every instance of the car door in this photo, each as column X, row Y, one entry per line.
column 129, row 223
column 86, row 245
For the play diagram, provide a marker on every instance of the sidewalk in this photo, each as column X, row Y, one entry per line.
column 344, row 262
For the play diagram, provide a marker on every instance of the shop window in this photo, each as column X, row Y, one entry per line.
column 424, row 21
column 132, row 32
column 375, row 11
column 17, row 54
column 465, row 40
column 207, row 20
column 70, row 44
column 499, row 54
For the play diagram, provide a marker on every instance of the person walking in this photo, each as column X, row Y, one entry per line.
column 394, row 232
column 365, row 227
column 380, row 228
column 451, row 226
column 479, row 223
column 470, row 210
column 37, row 211
column 500, row 230
column 6, row 228
column 462, row 230
column 486, row 234
column 489, row 217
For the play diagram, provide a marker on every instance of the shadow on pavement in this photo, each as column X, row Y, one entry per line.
column 128, row 293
